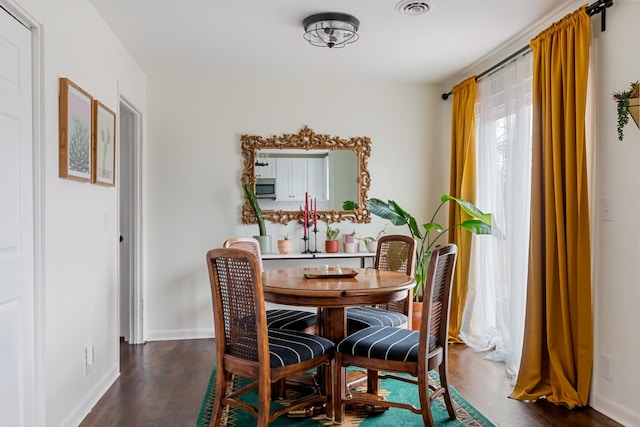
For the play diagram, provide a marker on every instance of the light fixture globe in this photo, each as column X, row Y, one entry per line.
column 332, row 30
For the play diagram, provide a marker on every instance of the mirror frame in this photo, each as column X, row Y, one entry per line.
column 307, row 139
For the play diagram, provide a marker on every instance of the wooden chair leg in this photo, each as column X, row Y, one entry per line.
column 327, row 387
column 338, row 389
column 221, row 389
column 373, row 382
column 425, row 400
column 279, row 389
column 444, row 383
column 264, row 408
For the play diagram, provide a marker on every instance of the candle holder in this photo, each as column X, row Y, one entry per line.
column 305, row 239
column 315, row 240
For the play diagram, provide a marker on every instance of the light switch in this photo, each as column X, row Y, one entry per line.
column 607, row 208
column 106, row 221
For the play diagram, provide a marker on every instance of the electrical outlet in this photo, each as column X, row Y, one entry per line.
column 606, row 367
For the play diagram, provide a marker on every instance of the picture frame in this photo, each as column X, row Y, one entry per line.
column 103, row 146
column 75, row 115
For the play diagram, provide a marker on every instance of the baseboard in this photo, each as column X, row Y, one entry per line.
column 616, row 412
column 86, row 405
column 179, row 334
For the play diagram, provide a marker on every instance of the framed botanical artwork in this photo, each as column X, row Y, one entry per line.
column 103, row 147
column 75, row 132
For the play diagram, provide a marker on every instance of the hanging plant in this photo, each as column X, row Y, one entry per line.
column 622, row 100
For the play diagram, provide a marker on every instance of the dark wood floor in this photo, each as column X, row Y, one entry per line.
column 162, row 384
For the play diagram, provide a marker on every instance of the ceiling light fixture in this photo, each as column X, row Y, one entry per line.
column 332, row 30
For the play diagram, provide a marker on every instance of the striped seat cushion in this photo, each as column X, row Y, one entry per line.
column 285, row 347
column 364, row 317
column 383, row 342
column 296, row 320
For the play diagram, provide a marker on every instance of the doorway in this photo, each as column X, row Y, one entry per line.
column 130, row 220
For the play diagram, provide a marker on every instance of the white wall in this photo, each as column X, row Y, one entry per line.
column 617, row 243
column 80, row 262
column 194, row 164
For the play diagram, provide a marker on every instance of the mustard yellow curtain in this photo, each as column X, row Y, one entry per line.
column 558, row 340
column 462, row 185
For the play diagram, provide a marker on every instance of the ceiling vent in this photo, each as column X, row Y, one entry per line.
column 413, row 8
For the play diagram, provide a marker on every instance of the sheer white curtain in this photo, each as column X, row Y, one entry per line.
column 494, row 313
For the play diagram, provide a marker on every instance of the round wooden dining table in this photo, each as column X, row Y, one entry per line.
column 332, row 293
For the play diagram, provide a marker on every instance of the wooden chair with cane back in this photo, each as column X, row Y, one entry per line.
column 246, row 347
column 392, row 351
column 297, row 320
column 394, row 252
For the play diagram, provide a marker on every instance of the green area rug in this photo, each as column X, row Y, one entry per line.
column 467, row 415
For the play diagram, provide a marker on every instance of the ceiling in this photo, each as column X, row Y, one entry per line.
column 263, row 38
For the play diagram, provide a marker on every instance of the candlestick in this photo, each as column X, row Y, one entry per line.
column 306, row 212
column 304, row 221
column 306, row 250
column 305, row 225
column 315, row 241
column 315, row 212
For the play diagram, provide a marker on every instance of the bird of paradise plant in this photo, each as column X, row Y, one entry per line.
column 430, row 233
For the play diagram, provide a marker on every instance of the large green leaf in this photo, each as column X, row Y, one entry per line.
column 253, row 201
column 469, row 208
column 393, row 212
column 476, row 226
column 432, row 226
column 387, row 210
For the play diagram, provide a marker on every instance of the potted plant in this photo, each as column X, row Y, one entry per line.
column 628, row 103
column 263, row 238
column 331, row 245
column 431, row 232
column 284, row 244
column 371, row 243
column 350, row 240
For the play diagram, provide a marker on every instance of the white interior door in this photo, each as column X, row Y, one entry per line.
column 129, row 187
column 17, row 283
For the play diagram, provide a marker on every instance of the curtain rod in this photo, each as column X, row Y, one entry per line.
column 592, row 9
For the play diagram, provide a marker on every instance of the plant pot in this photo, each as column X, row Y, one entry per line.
column 372, row 245
column 332, row 246
column 416, row 316
column 265, row 243
column 634, row 110
column 284, row 246
column 348, row 238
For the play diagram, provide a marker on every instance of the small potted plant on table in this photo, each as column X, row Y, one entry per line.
column 350, row 243
column 331, row 245
column 371, row 243
column 284, row 244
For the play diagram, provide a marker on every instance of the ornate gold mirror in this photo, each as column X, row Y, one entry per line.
column 286, row 168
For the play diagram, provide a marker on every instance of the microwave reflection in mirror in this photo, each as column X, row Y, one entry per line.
column 266, row 188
